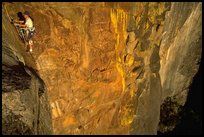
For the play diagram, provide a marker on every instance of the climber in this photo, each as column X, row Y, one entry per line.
column 21, row 20
column 27, row 25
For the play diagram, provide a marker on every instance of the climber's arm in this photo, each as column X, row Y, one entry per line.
column 19, row 21
column 20, row 25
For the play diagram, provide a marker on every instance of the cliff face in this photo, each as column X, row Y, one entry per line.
column 180, row 56
column 108, row 67
column 180, row 49
column 25, row 107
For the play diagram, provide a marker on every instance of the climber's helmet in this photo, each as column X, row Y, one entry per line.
column 26, row 13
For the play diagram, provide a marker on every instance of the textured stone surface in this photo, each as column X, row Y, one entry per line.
column 108, row 67
column 25, row 107
column 180, row 52
column 181, row 49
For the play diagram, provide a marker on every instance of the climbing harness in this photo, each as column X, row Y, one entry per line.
column 24, row 33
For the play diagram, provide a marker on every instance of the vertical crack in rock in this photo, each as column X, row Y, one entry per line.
column 107, row 68
column 21, row 88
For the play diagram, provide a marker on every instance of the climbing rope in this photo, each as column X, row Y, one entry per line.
column 20, row 33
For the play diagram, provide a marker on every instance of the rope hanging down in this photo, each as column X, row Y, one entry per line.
column 20, row 33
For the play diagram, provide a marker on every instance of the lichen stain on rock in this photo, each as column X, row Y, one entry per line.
column 119, row 18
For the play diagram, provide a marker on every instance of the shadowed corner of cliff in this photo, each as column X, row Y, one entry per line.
column 25, row 108
column 185, row 119
column 101, row 77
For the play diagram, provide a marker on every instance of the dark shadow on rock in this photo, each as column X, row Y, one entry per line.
column 191, row 121
column 14, row 126
column 14, row 78
column 42, row 87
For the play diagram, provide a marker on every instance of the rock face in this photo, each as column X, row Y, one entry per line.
column 180, row 53
column 108, row 67
column 25, row 107
column 180, row 49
